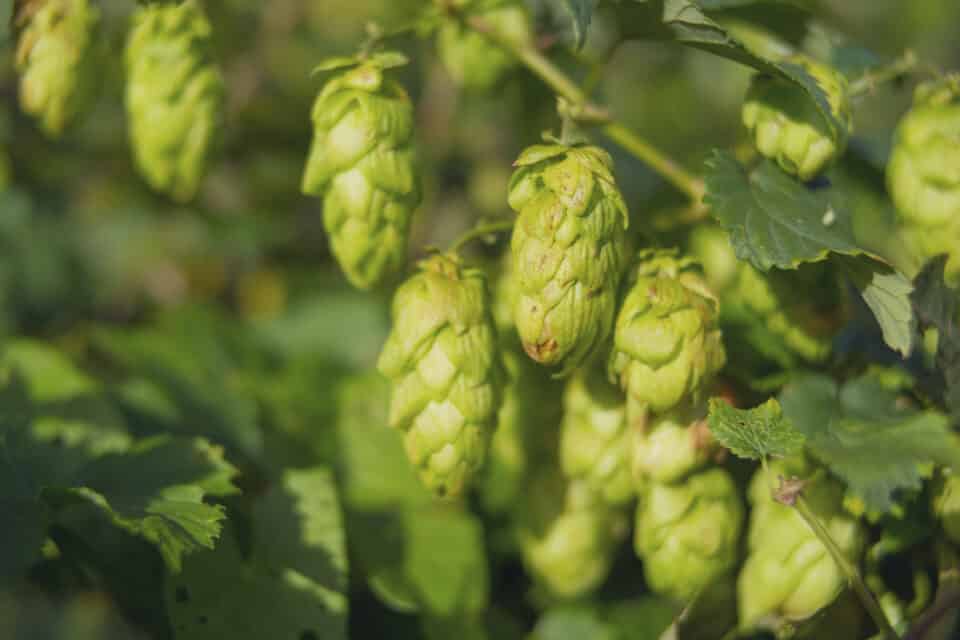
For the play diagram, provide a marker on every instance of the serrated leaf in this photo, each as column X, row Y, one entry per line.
column 863, row 434
column 887, row 293
column 754, row 433
column 773, row 220
column 936, row 307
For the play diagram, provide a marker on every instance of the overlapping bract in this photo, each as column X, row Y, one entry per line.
column 362, row 163
column 447, row 380
column 688, row 533
column 786, row 124
column 55, row 59
column 789, row 574
column 568, row 247
column 667, row 344
column 470, row 57
column 670, row 446
column 923, row 174
column 174, row 96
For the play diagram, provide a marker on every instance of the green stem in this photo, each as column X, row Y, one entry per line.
column 587, row 111
column 481, row 231
column 869, row 81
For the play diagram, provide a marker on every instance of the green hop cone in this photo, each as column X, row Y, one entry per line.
column 946, row 504
column 786, row 125
column 55, row 60
column 569, row 248
column 443, row 360
column 687, row 534
column 789, row 574
column 595, row 438
column 471, row 58
column 923, row 174
column 362, row 163
column 174, row 96
column 667, row 344
column 670, row 446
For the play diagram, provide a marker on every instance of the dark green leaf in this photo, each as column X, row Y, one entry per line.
column 754, row 433
column 887, row 293
column 936, row 308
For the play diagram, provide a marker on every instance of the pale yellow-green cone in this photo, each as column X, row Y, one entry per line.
column 362, row 163
column 595, row 438
column 667, row 344
column 687, row 533
column 670, row 445
column 568, row 535
column 471, row 58
column 56, row 61
column 443, row 360
column 569, row 246
column 946, row 504
column 789, row 574
column 174, row 96
column 786, row 125
column 923, row 174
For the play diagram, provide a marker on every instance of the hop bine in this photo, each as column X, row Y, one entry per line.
column 174, row 96
column 447, row 380
column 55, row 59
column 786, row 124
column 569, row 248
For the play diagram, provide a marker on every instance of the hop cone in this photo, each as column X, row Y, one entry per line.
column 786, row 124
column 687, row 534
column 595, row 438
column 946, row 504
column 569, row 247
column 55, row 60
column 362, row 164
column 923, row 175
column 670, row 446
column 667, row 345
column 174, row 96
column 568, row 535
column 442, row 358
column 470, row 57
column 789, row 574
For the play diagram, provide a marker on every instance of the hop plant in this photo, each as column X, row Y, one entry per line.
column 569, row 248
column 174, row 96
column 670, row 446
column 55, row 60
column 595, row 438
column 946, row 504
column 923, row 175
column 447, row 380
column 666, row 345
column 789, row 574
column 471, row 59
column 362, row 164
column 786, row 125
column 687, row 533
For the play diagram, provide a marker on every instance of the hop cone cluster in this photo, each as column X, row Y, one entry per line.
column 55, row 60
column 687, row 533
column 595, row 437
column 670, row 446
column 786, row 124
column 789, row 574
column 471, row 58
column 667, row 344
column 362, row 164
column 447, row 380
column 923, row 175
column 569, row 247
column 174, row 95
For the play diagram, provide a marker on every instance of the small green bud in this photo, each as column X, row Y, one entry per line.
column 670, row 446
column 55, row 60
column 946, row 504
column 786, row 124
column 789, row 574
column 687, row 534
column 174, row 95
column 595, row 438
column 667, row 344
column 473, row 61
column 447, row 379
column 362, row 163
column 568, row 249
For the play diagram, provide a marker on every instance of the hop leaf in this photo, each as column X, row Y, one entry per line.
column 568, row 248
column 362, row 164
column 55, row 60
column 754, row 433
column 442, row 358
column 174, row 95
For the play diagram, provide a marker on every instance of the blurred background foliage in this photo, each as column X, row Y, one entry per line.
column 227, row 319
